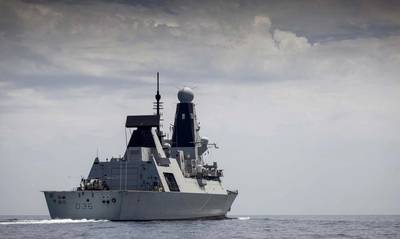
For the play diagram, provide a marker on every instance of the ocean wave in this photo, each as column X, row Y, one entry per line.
column 243, row 218
column 49, row 221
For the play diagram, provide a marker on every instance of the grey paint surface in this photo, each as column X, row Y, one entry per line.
column 137, row 205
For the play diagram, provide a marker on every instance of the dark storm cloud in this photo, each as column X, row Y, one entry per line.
column 54, row 45
column 109, row 45
column 97, row 42
column 337, row 20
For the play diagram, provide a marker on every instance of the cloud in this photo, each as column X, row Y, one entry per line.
column 288, row 41
column 125, row 42
column 262, row 22
column 304, row 89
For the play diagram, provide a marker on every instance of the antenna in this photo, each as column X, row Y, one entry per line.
column 158, row 97
column 158, row 106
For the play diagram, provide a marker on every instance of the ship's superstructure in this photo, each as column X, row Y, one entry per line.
column 156, row 179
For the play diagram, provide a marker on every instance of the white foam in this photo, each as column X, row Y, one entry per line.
column 243, row 218
column 52, row 221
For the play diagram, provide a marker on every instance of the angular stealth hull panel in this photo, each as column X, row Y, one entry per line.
column 137, row 205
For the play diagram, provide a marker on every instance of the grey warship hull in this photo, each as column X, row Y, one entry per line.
column 158, row 178
column 120, row 205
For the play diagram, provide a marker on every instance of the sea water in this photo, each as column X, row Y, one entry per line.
column 234, row 227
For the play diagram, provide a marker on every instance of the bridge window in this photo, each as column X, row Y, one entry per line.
column 172, row 185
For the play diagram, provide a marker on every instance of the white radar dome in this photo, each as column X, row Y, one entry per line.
column 185, row 95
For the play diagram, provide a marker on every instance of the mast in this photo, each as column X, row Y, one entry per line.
column 158, row 106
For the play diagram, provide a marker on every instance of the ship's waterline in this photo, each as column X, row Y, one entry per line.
column 137, row 205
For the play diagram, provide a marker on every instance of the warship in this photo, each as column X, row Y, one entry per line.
column 158, row 178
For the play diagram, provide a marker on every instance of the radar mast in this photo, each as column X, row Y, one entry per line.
column 158, row 105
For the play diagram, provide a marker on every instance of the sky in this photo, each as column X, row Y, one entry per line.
column 302, row 97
